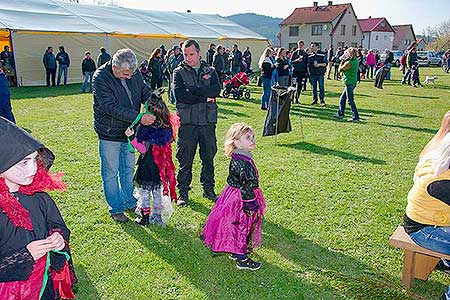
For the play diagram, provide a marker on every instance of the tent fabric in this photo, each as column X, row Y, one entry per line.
column 30, row 26
column 58, row 16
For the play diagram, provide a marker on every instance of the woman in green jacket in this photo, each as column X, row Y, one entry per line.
column 349, row 67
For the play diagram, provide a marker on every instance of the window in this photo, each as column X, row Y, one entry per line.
column 355, row 45
column 319, row 45
column 382, row 24
column 354, row 30
column 292, row 46
column 342, row 29
column 341, row 44
column 293, row 31
column 317, row 30
column 376, row 38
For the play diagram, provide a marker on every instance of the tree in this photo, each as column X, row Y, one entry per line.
column 442, row 36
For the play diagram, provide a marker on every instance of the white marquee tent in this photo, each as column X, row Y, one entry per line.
column 30, row 26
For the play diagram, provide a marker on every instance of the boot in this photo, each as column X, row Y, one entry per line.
column 144, row 218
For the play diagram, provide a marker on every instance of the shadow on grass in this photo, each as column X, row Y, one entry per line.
column 327, row 151
column 335, row 275
column 418, row 129
column 224, row 111
column 23, row 93
column 414, row 96
column 84, row 289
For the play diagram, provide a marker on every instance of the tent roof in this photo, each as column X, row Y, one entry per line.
column 58, row 16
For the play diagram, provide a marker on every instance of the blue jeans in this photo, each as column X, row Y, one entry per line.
column 87, row 76
column 348, row 95
column 314, row 80
column 5, row 106
column 62, row 69
column 407, row 76
column 436, row 239
column 117, row 168
column 267, row 85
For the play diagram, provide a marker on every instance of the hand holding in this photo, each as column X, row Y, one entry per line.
column 147, row 119
column 129, row 132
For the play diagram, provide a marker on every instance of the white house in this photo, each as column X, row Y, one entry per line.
column 377, row 33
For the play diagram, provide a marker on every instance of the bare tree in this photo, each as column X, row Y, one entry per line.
column 442, row 36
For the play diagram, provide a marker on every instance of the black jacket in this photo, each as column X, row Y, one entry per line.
column 209, row 56
column 49, row 60
column 63, row 58
column 320, row 58
column 192, row 90
column 300, row 66
column 281, row 70
column 218, row 62
column 237, row 58
column 113, row 110
column 87, row 65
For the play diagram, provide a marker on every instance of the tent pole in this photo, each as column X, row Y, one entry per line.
column 11, row 39
column 107, row 43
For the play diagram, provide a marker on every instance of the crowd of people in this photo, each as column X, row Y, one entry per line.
column 34, row 227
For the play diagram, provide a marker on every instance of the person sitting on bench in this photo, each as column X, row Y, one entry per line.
column 427, row 218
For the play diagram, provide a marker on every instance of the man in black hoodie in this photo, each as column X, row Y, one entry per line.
column 299, row 60
column 119, row 91
column 64, row 62
column 210, row 54
column 196, row 86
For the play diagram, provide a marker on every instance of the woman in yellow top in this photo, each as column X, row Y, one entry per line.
column 427, row 218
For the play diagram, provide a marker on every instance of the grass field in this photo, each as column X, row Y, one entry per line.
column 334, row 197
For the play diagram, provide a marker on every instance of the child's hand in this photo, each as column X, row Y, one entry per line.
column 129, row 132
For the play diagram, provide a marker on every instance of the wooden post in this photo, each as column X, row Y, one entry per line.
column 424, row 265
column 408, row 268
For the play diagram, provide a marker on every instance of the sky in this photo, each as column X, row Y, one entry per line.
column 420, row 13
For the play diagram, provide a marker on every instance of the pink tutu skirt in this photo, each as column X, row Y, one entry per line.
column 228, row 228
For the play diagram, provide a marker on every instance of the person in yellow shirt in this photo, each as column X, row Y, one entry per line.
column 427, row 218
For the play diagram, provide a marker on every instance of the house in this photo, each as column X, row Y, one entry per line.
column 403, row 36
column 421, row 44
column 377, row 33
column 327, row 25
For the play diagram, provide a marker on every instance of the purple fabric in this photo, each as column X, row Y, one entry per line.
column 228, row 226
column 154, row 135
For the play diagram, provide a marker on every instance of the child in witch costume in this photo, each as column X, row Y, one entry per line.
column 155, row 164
column 234, row 224
column 33, row 234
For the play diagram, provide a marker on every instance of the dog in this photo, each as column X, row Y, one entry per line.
column 430, row 79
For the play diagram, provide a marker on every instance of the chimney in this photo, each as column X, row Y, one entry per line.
column 315, row 4
column 330, row 3
column 370, row 17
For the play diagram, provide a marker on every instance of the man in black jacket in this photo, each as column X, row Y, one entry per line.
column 236, row 60
column 219, row 63
column 64, row 62
column 317, row 65
column 118, row 92
column 196, row 86
column 299, row 60
column 49, row 62
column 210, row 54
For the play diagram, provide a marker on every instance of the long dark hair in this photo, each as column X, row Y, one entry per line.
column 155, row 52
column 162, row 113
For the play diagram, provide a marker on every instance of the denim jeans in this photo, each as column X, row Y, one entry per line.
column 117, row 168
column 348, row 95
column 407, row 76
column 314, row 80
column 436, row 239
column 87, row 76
column 62, row 69
column 267, row 85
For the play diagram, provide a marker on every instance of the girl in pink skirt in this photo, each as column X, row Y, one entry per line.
column 234, row 224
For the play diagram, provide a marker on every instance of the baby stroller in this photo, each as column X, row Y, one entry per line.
column 236, row 86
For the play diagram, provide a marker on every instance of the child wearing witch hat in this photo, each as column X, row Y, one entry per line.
column 34, row 239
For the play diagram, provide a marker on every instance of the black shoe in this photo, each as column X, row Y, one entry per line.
column 120, row 218
column 211, row 195
column 314, row 103
column 441, row 266
column 337, row 116
column 182, row 199
column 144, row 220
column 353, row 120
column 322, row 104
column 248, row 264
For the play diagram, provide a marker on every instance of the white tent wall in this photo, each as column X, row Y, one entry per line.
column 29, row 49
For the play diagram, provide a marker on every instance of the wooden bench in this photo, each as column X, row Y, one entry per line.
column 418, row 262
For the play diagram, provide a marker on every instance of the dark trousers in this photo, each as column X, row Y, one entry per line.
column 156, row 81
column 302, row 78
column 380, row 76
column 5, row 107
column 318, row 80
column 189, row 136
column 48, row 73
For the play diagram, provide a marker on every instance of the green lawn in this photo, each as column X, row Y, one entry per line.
column 333, row 199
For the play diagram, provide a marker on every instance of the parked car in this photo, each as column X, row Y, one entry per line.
column 428, row 58
column 397, row 56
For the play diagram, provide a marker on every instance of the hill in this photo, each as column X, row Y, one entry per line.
column 264, row 25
